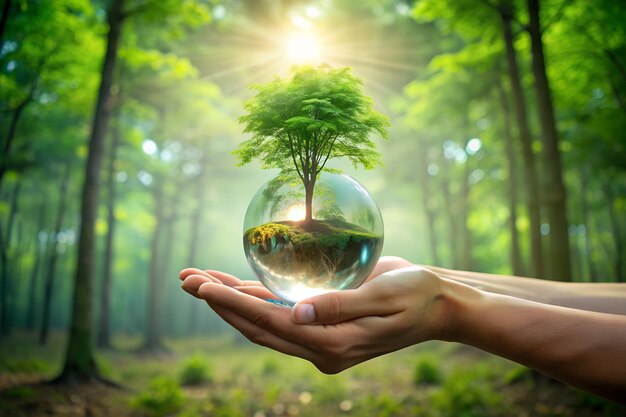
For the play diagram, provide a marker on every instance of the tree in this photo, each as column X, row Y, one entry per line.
column 555, row 193
column 302, row 122
column 80, row 363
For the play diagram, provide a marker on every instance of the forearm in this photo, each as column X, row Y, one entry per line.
column 601, row 297
column 583, row 348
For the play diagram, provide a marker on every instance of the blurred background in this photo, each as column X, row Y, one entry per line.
column 507, row 154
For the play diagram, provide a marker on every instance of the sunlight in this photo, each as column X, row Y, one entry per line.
column 302, row 48
column 296, row 213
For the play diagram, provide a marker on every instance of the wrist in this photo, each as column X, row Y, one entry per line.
column 459, row 307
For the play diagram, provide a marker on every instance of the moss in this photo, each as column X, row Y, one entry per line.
column 258, row 235
column 320, row 234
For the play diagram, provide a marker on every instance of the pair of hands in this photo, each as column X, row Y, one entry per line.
column 399, row 305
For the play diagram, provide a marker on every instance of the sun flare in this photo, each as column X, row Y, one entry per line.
column 296, row 213
column 302, row 48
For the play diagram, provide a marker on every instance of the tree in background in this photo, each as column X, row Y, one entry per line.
column 80, row 364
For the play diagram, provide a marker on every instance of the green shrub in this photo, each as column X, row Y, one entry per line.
column 162, row 397
column 329, row 390
column 467, row 393
column 270, row 367
column 427, row 371
column 196, row 371
column 383, row 405
column 518, row 374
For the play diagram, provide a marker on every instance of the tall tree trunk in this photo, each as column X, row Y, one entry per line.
column 466, row 233
column 166, row 254
column 196, row 225
column 532, row 189
column 5, row 243
column 80, row 363
column 3, row 20
column 152, row 340
column 555, row 195
column 584, row 206
column 427, row 203
column 104, row 336
column 516, row 259
column 54, row 255
column 452, row 217
column 32, row 286
column 616, row 230
column 8, row 142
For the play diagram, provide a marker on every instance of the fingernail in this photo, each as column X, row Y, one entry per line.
column 304, row 313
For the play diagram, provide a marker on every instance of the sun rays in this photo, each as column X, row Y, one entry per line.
column 253, row 52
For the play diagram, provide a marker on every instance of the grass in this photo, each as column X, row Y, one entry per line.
column 214, row 377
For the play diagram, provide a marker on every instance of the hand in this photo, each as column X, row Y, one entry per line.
column 398, row 306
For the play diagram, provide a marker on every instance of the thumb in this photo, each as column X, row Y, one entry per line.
column 338, row 306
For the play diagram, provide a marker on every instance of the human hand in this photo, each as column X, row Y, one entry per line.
column 398, row 306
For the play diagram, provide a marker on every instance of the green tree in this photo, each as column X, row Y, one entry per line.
column 302, row 122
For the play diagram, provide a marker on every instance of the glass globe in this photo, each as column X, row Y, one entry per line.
column 297, row 258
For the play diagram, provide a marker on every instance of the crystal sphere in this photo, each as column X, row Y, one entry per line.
column 336, row 249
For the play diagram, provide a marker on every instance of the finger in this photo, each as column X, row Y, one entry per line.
column 339, row 306
column 191, row 271
column 271, row 317
column 262, row 336
column 228, row 279
column 256, row 291
column 193, row 282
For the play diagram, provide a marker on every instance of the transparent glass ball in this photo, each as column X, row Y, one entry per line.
column 336, row 249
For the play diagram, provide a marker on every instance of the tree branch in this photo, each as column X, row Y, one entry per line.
column 555, row 17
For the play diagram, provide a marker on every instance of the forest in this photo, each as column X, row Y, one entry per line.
column 118, row 122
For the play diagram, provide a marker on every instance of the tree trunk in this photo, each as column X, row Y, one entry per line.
column 104, row 336
column 616, row 230
column 516, row 260
column 15, row 117
column 152, row 340
column 80, row 364
column 519, row 102
column 32, row 286
column 196, row 225
column 584, row 206
column 555, row 195
column 427, row 204
column 5, row 243
column 452, row 218
column 169, row 237
column 466, row 233
column 308, row 190
column 54, row 255
column 3, row 20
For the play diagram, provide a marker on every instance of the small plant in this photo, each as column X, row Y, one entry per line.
column 427, row 371
column 330, row 390
column 270, row 367
column 518, row 374
column 163, row 396
column 384, row 405
column 196, row 371
column 467, row 393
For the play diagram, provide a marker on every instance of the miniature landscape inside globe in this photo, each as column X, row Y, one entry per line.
column 297, row 258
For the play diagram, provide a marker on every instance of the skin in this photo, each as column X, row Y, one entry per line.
column 402, row 304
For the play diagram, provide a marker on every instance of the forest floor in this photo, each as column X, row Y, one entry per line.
column 228, row 377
